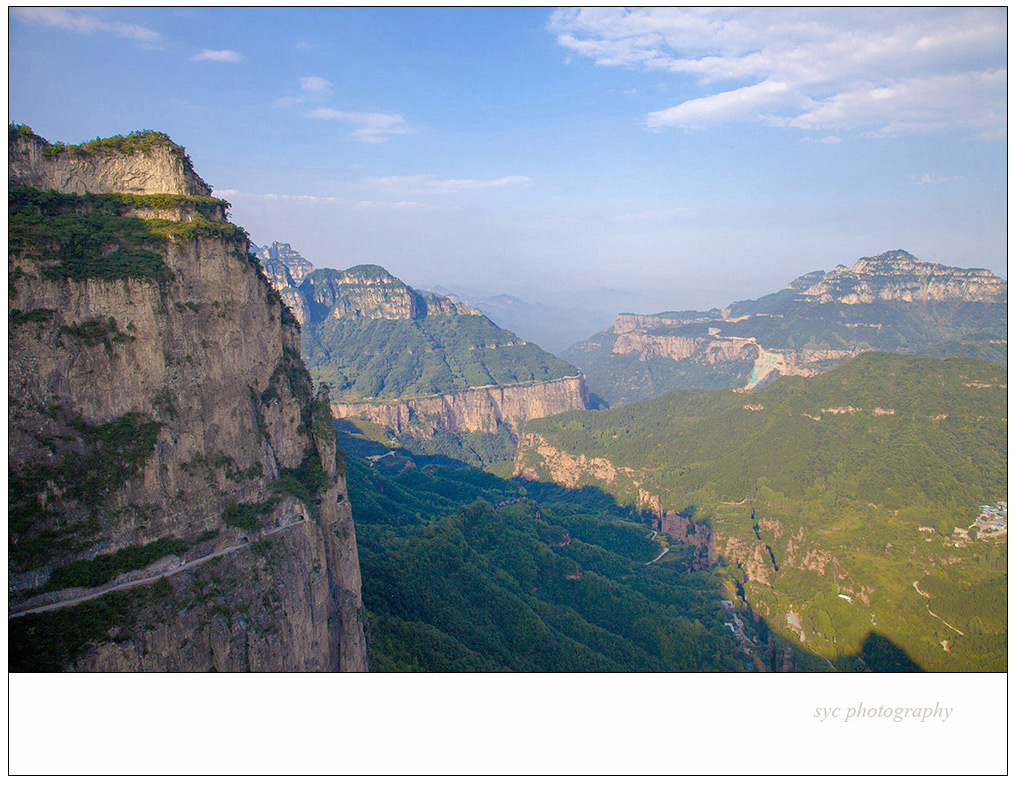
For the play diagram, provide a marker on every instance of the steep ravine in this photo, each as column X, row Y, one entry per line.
column 159, row 411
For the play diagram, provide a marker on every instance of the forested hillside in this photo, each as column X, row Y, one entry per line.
column 830, row 496
column 464, row 571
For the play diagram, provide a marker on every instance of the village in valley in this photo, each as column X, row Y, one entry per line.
column 990, row 525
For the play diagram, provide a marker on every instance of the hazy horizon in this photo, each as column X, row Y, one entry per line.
column 691, row 157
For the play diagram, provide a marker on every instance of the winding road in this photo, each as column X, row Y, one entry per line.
column 928, row 608
column 98, row 592
column 664, row 552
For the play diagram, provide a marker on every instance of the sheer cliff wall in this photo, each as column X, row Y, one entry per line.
column 481, row 409
column 164, row 433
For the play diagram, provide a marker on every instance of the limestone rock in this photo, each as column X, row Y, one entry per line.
column 160, row 409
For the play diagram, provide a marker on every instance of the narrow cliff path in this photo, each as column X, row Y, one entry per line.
column 928, row 608
column 664, row 552
column 947, row 624
column 101, row 590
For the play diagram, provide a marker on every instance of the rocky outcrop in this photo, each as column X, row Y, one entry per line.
column 480, row 409
column 699, row 536
column 283, row 266
column 538, row 459
column 401, row 358
column 157, row 401
column 759, row 557
column 902, row 277
column 365, row 291
column 144, row 163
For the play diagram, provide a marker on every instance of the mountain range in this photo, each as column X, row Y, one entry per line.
column 890, row 302
column 436, row 373
column 222, row 458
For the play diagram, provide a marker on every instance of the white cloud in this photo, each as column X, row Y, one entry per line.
column 218, row 56
column 935, row 179
column 85, row 24
column 974, row 100
column 425, row 183
column 314, row 84
column 371, row 127
column 226, row 193
column 313, row 87
column 373, row 205
column 810, row 68
column 740, row 104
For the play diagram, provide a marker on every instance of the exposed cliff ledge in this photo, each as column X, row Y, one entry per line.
column 146, row 162
column 480, row 409
column 158, row 405
column 890, row 302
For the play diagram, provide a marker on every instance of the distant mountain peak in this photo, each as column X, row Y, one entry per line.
column 900, row 276
column 283, row 266
column 890, row 256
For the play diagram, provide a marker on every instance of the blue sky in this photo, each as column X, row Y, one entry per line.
column 690, row 157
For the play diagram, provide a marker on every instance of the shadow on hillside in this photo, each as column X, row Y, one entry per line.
column 767, row 649
column 884, row 656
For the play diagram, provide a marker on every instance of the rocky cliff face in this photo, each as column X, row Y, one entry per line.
column 902, row 277
column 163, row 432
column 140, row 164
column 482, row 409
column 283, row 266
column 365, row 291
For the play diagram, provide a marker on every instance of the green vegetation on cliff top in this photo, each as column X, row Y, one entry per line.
column 784, row 322
column 143, row 141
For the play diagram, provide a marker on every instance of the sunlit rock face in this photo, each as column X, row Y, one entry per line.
column 159, row 406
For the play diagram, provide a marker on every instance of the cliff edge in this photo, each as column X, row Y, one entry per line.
column 176, row 498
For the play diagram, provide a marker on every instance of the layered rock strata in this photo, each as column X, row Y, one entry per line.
column 481, row 409
column 164, row 434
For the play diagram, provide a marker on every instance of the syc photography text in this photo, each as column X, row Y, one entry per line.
column 894, row 713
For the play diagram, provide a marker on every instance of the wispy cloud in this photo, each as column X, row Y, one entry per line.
column 935, row 179
column 218, row 56
column 371, row 127
column 230, row 193
column 428, row 184
column 364, row 204
column 287, row 101
column 313, row 88
column 875, row 71
column 314, row 84
column 375, row 205
column 85, row 24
